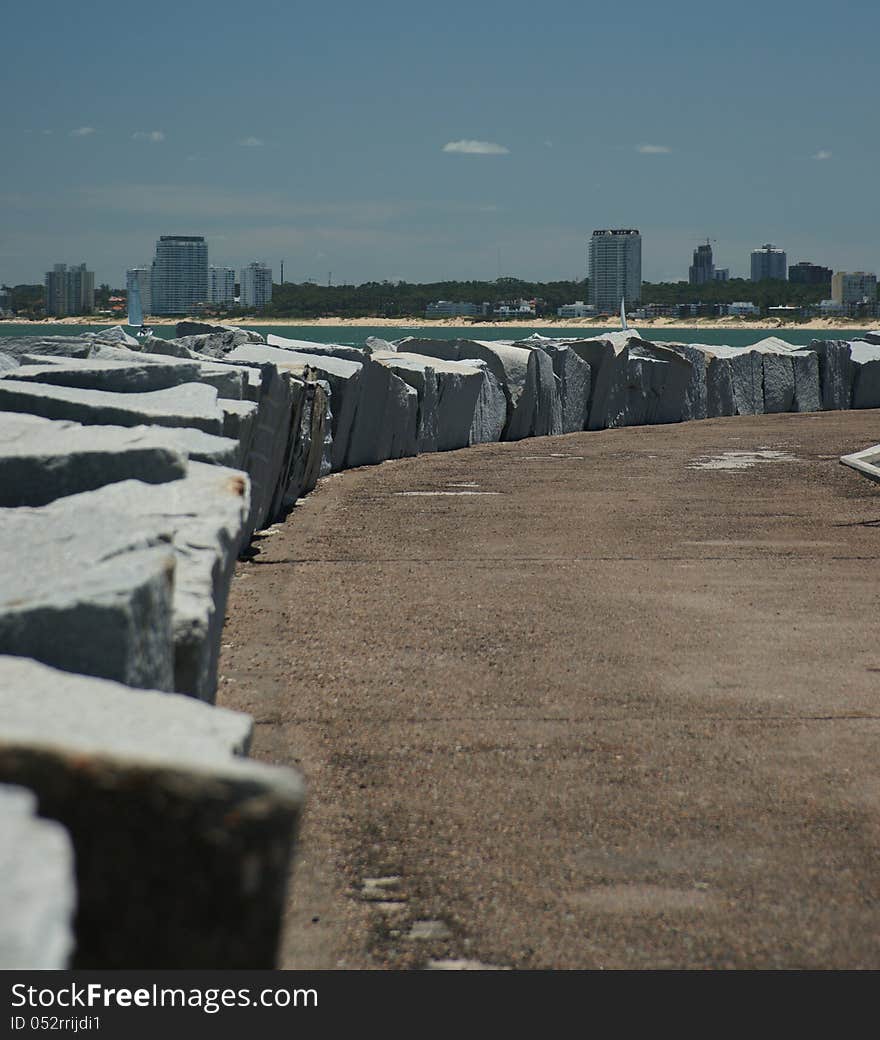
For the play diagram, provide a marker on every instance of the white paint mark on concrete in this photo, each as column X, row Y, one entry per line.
column 738, row 460
column 382, row 889
column 425, row 931
column 462, row 964
column 552, row 455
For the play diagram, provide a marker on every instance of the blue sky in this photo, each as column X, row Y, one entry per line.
column 385, row 141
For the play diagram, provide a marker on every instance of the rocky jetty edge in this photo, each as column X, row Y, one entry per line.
column 134, row 830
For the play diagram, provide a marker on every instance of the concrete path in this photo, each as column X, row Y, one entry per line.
column 603, row 700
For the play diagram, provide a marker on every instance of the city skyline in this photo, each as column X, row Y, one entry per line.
column 744, row 270
column 702, row 269
column 317, row 155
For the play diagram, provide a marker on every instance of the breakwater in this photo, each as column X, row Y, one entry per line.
column 121, row 575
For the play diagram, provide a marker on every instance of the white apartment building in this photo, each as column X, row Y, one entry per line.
column 70, row 290
column 221, row 285
column 849, row 287
column 615, row 262
column 179, row 276
column 743, row 309
column 143, row 277
column 578, row 309
column 255, row 285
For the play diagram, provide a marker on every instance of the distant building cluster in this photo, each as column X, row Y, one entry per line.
column 69, row 291
column 614, row 271
column 181, row 281
column 501, row 310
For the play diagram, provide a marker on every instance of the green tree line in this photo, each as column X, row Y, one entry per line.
column 410, row 299
column 769, row 293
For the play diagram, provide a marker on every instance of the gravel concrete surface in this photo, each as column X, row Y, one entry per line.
column 607, row 700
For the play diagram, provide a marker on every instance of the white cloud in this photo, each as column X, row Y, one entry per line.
column 823, row 153
column 83, row 131
column 466, row 147
column 251, row 142
column 153, row 136
column 653, row 149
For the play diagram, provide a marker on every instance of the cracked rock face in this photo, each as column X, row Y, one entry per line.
column 460, row 402
column 337, row 350
column 41, row 460
column 309, row 451
column 524, row 375
column 865, row 358
column 191, row 404
column 374, row 413
column 204, row 328
column 66, row 346
column 114, row 375
column 216, row 344
column 634, row 381
column 836, row 372
column 343, row 378
column 696, row 397
column 38, row 892
column 278, row 392
column 203, row 515
column 421, row 376
column 88, row 594
column 573, row 383
column 791, row 377
column 182, row 848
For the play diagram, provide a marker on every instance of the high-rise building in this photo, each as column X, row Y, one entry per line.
column 702, row 270
column 615, row 268
column 849, row 287
column 141, row 275
column 722, row 274
column 221, row 285
column 179, row 276
column 255, row 285
column 769, row 262
column 805, row 273
column 70, row 290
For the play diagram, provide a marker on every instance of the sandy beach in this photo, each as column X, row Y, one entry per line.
column 775, row 324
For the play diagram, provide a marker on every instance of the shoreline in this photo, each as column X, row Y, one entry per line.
column 768, row 325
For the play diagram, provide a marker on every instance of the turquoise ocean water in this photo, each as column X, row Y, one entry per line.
column 354, row 336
